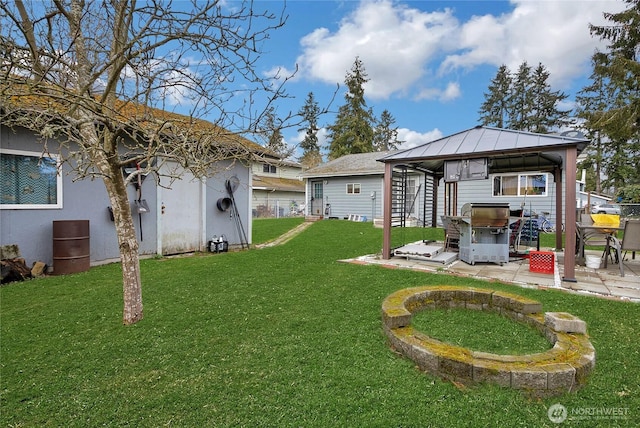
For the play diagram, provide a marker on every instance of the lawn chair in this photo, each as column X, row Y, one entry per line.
column 452, row 235
column 591, row 238
column 516, row 234
column 630, row 242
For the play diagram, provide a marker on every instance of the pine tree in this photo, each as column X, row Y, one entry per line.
column 273, row 135
column 591, row 100
column 310, row 147
column 352, row 131
column 523, row 101
column 385, row 137
column 520, row 100
column 622, row 66
column 494, row 111
column 545, row 115
column 611, row 104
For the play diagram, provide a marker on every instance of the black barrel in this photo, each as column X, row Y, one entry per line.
column 70, row 246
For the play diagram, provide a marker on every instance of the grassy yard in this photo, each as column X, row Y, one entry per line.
column 283, row 336
column 267, row 229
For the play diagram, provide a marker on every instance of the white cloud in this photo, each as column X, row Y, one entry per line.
column 279, row 73
column 400, row 45
column 413, row 138
column 451, row 92
column 555, row 33
column 393, row 41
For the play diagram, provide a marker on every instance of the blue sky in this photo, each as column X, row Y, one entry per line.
column 429, row 62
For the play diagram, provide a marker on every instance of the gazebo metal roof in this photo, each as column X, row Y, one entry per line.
column 505, row 151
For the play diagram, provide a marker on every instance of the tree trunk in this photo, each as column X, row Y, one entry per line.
column 127, row 243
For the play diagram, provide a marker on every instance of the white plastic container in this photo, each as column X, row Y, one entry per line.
column 593, row 262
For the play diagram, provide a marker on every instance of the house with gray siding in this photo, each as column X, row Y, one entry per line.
column 180, row 216
column 534, row 192
column 278, row 188
column 352, row 185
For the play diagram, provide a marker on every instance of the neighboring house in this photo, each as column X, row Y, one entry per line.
column 278, row 189
column 532, row 191
column 180, row 219
column 352, row 185
column 586, row 199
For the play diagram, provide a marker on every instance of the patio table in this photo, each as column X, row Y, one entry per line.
column 605, row 229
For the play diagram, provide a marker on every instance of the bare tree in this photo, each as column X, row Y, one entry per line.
column 102, row 78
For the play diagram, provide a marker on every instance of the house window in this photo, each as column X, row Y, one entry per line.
column 29, row 180
column 520, row 185
column 353, row 188
column 270, row 169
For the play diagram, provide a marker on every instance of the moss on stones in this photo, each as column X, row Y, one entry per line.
column 564, row 368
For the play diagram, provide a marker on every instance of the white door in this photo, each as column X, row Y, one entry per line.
column 317, row 202
column 181, row 218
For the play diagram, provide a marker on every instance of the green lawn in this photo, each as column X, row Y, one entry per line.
column 283, row 336
column 267, row 229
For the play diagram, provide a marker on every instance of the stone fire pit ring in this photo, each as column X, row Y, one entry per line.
column 563, row 368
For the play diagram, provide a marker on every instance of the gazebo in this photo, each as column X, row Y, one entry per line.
column 483, row 150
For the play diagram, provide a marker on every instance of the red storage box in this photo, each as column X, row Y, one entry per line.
column 541, row 261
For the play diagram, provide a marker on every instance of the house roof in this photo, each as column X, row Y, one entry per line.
column 18, row 99
column 261, row 182
column 355, row 164
column 509, row 150
column 272, row 158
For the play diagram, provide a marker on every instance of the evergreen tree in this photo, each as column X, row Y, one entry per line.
column 545, row 115
column 520, row 100
column 618, row 120
column 310, row 147
column 622, row 66
column 494, row 111
column 592, row 99
column 273, row 135
column 385, row 137
column 352, row 131
column 523, row 101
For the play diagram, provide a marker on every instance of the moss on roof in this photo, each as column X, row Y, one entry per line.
column 54, row 102
column 275, row 183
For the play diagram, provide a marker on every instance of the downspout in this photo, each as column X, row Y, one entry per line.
column 159, row 213
column 203, row 214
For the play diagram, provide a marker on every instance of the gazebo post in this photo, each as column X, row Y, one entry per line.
column 386, row 211
column 570, row 214
column 557, row 177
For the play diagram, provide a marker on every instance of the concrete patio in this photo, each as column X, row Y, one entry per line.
column 604, row 283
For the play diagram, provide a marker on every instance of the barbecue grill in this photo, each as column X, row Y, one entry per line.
column 484, row 233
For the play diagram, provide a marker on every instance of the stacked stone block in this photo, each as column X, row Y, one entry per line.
column 563, row 368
